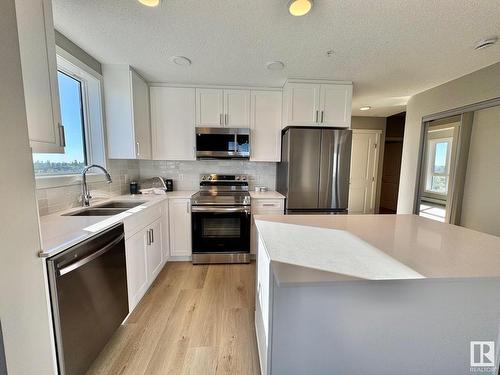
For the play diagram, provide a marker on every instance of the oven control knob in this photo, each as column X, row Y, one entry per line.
column 209, row 178
column 237, row 178
column 243, row 178
column 203, row 178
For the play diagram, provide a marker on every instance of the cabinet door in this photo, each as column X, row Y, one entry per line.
column 265, row 143
column 137, row 271
column 180, row 227
column 165, row 232
column 39, row 67
column 237, row 108
column 336, row 105
column 154, row 253
column 141, row 117
column 303, row 104
column 172, row 122
column 209, row 107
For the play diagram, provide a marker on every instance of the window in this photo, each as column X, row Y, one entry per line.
column 438, row 166
column 82, row 116
column 74, row 158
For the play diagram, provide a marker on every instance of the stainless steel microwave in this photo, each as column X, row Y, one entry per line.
column 222, row 143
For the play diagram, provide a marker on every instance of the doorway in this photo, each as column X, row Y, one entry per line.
column 364, row 169
column 391, row 167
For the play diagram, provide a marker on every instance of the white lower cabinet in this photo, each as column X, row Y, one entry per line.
column 264, row 206
column 180, row 227
column 154, row 255
column 144, row 254
column 137, row 270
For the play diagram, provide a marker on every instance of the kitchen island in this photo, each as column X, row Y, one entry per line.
column 373, row 294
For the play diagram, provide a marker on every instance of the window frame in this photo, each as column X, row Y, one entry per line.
column 93, row 118
column 431, row 146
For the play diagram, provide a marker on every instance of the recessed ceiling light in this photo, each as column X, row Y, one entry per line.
column 365, row 108
column 181, row 60
column 300, row 7
column 330, row 53
column 150, row 3
column 484, row 43
column 275, row 65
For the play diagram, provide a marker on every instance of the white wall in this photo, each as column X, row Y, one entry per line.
column 475, row 87
column 23, row 304
column 481, row 200
column 374, row 123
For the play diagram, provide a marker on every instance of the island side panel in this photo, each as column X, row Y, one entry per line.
column 413, row 327
column 263, row 306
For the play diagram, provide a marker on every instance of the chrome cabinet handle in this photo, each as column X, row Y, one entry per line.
column 322, row 115
column 152, row 235
column 148, row 238
column 220, row 119
column 268, row 205
column 226, row 117
column 187, row 207
column 137, row 148
column 316, row 116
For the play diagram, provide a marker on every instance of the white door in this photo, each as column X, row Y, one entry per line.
column 209, row 107
column 303, row 104
column 266, row 126
column 154, row 254
column 180, row 227
column 335, row 107
column 364, row 165
column 172, row 123
column 137, row 271
column 39, row 67
column 237, row 108
column 142, row 123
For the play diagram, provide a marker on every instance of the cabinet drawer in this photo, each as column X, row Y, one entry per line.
column 140, row 219
column 266, row 205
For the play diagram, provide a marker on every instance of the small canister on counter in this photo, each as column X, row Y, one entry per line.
column 134, row 188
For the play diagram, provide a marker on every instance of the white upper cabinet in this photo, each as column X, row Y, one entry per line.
column 302, row 101
column 172, row 123
column 126, row 96
column 209, row 107
column 317, row 103
column 335, row 105
column 39, row 67
column 222, row 107
column 237, row 108
column 266, row 109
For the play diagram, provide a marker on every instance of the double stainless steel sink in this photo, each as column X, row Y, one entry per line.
column 106, row 209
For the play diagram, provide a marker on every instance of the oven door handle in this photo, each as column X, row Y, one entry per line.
column 219, row 209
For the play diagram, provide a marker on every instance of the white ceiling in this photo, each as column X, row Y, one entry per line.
column 390, row 49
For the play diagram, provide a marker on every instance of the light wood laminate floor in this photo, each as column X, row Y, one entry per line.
column 193, row 320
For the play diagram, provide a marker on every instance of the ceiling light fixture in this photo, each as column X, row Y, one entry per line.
column 299, row 7
column 181, row 60
column 365, row 108
column 275, row 65
column 150, row 3
column 485, row 43
column 330, row 53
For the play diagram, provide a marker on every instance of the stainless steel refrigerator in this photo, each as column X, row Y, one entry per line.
column 313, row 173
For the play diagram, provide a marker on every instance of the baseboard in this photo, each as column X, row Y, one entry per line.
column 179, row 259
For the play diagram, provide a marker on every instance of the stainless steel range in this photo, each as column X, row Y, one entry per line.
column 221, row 220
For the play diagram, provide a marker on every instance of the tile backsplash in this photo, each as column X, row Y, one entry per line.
column 186, row 174
column 60, row 198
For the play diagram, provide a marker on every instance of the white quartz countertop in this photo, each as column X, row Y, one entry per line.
column 266, row 195
column 375, row 247
column 61, row 232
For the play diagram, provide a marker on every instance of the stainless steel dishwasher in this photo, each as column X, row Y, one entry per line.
column 88, row 291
